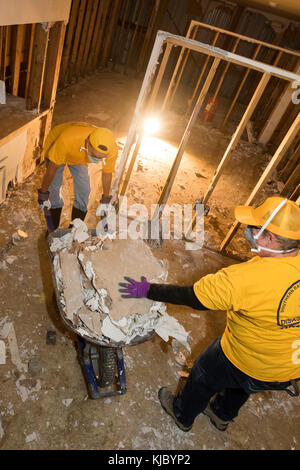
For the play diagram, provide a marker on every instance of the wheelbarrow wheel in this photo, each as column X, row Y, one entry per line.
column 107, row 366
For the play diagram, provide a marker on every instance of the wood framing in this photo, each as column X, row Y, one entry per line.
column 191, row 33
column 278, row 155
column 142, row 106
column 37, row 70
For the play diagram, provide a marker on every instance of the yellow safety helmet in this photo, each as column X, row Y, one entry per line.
column 102, row 139
column 280, row 215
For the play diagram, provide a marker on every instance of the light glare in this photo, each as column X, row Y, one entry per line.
column 151, row 125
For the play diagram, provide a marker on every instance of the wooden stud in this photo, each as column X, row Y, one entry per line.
column 150, row 71
column 108, row 39
column 71, row 28
column 177, row 67
column 104, row 14
column 53, row 61
column 160, row 74
column 36, row 79
column 132, row 41
column 4, row 48
column 29, row 58
column 238, row 133
column 172, row 175
column 72, row 64
column 95, row 38
column 240, row 89
column 84, row 33
column 234, row 141
column 278, row 155
column 190, row 102
column 17, row 44
column 89, row 36
column 277, row 113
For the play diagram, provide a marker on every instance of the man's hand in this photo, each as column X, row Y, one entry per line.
column 43, row 200
column 134, row 289
column 105, row 199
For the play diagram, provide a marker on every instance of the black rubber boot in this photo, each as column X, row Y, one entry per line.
column 77, row 214
column 55, row 215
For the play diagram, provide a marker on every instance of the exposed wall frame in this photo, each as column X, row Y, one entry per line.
column 164, row 38
column 183, row 57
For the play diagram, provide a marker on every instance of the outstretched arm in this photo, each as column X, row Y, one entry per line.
column 179, row 295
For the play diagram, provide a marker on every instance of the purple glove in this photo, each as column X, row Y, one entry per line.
column 135, row 289
column 43, row 200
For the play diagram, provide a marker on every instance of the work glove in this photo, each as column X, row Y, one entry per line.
column 134, row 289
column 103, row 220
column 105, row 199
column 43, row 200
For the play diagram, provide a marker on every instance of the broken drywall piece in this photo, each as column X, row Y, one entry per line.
column 169, row 326
column 92, row 321
column 79, row 231
column 2, row 352
column 8, row 332
column 123, row 258
column 111, row 331
column 70, row 272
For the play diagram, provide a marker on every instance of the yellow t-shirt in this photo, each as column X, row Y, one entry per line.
column 262, row 299
column 63, row 143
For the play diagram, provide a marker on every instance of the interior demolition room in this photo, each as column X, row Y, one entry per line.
column 203, row 99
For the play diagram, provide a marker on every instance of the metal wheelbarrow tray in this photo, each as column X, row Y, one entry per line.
column 99, row 359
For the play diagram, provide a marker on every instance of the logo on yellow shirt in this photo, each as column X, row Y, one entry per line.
column 288, row 313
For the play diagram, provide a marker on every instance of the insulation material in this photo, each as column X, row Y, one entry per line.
column 88, row 270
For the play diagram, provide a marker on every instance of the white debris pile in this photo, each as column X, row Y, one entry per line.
column 88, row 269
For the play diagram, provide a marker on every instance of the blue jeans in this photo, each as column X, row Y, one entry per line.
column 81, row 185
column 213, row 374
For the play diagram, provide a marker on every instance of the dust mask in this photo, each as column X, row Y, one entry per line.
column 253, row 239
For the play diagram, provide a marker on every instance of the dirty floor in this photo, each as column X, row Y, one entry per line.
column 47, row 406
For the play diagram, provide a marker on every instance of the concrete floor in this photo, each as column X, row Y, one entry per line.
column 52, row 410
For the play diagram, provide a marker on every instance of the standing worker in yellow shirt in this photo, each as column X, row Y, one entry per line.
column 260, row 347
column 77, row 145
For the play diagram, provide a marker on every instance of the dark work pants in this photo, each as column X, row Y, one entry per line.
column 213, row 374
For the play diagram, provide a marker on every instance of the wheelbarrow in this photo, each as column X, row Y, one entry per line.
column 102, row 361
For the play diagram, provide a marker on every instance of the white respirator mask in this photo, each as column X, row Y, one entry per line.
column 91, row 158
column 252, row 239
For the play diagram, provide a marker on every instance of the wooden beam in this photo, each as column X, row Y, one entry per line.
column 277, row 113
column 160, row 74
column 29, row 58
column 84, row 33
column 233, row 143
column 107, row 44
column 172, row 175
column 17, row 44
column 103, row 13
column 36, row 79
column 87, row 48
column 71, row 28
column 80, row 18
column 237, row 135
column 203, row 69
column 233, row 102
column 177, row 67
column 149, row 74
column 245, row 38
column 3, row 46
column 278, row 155
column 53, row 61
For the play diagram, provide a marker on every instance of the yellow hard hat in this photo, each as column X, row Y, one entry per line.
column 285, row 223
column 102, row 139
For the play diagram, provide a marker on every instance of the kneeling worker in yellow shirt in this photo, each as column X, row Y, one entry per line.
column 260, row 347
column 76, row 144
